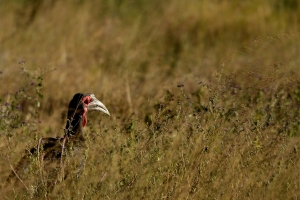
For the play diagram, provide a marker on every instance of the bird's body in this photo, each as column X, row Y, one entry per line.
column 54, row 159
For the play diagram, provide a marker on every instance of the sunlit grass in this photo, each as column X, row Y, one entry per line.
column 204, row 103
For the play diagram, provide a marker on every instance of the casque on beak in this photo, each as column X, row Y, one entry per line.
column 95, row 104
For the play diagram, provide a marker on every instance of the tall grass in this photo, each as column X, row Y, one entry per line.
column 204, row 96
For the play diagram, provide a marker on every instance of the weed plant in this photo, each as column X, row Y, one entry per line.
column 189, row 143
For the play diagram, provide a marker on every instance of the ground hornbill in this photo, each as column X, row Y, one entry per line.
column 53, row 159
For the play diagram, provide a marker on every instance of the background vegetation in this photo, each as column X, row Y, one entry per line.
column 204, row 94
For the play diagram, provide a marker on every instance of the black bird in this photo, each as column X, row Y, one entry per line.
column 53, row 159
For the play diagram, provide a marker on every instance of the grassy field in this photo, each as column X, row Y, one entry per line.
column 204, row 95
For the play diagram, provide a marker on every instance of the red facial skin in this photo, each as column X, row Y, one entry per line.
column 86, row 100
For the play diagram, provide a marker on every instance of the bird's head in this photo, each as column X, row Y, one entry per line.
column 83, row 102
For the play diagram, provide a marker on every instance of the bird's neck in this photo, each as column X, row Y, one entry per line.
column 74, row 127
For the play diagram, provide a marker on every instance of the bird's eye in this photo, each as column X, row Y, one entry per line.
column 86, row 100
